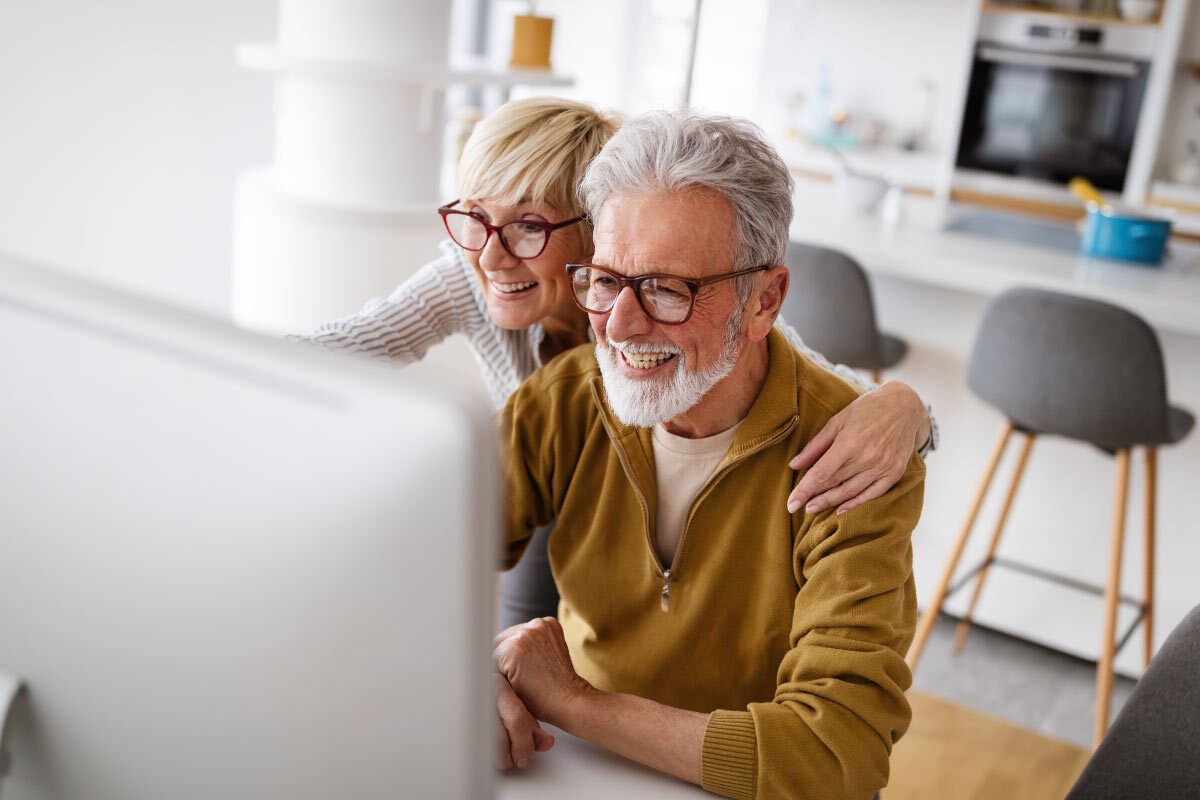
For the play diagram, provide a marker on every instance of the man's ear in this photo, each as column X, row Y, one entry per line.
column 764, row 305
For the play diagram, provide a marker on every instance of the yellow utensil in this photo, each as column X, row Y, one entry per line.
column 1083, row 189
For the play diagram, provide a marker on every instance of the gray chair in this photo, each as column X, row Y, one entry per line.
column 829, row 304
column 527, row 591
column 1151, row 750
column 1062, row 365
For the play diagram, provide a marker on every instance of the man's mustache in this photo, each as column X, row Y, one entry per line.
column 641, row 348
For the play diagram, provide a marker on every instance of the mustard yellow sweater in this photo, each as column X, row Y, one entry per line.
column 791, row 629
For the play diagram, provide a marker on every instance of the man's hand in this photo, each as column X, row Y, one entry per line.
column 862, row 451
column 533, row 657
column 518, row 734
column 533, row 660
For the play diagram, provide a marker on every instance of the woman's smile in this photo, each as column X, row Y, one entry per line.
column 512, row 291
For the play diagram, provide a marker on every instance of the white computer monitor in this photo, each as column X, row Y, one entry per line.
column 234, row 567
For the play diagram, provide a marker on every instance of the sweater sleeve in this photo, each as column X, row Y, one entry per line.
column 846, row 373
column 528, row 443
column 839, row 703
column 433, row 304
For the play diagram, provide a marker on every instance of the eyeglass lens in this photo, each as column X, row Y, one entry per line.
column 523, row 240
column 665, row 299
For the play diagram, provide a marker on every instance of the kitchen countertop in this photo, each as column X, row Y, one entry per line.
column 920, row 249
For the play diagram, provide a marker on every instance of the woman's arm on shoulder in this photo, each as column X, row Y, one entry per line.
column 434, row 303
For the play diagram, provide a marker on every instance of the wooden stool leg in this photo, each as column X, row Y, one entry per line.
column 964, row 625
column 1112, row 592
column 1151, row 482
column 876, row 375
column 925, row 625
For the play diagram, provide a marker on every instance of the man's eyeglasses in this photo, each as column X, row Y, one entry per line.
column 522, row 238
column 667, row 299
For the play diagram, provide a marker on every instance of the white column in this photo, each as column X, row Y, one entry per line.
column 348, row 209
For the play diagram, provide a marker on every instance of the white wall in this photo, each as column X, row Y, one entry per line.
column 731, row 60
column 1183, row 112
column 124, row 124
column 877, row 53
column 631, row 55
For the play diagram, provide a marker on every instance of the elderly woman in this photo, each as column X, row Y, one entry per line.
column 502, row 283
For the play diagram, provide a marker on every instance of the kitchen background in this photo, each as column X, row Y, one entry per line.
column 127, row 126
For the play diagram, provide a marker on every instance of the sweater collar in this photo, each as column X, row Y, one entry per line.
column 778, row 403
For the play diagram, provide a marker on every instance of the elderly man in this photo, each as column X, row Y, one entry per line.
column 703, row 629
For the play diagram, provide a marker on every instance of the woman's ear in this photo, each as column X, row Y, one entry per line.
column 764, row 305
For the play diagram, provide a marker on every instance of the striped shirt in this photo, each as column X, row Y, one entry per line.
column 444, row 298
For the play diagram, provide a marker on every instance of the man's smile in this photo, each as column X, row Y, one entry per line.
column 645, row 361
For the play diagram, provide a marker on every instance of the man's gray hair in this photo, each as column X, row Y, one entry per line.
column 679, row 150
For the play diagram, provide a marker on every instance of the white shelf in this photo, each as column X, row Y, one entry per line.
column 912, row 170
column 1176, row 193
column 991, row 7
column 1180, row 202
column 267, row 57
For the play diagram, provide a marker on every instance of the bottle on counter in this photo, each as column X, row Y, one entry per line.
column 891, row 210
column 1187, row 169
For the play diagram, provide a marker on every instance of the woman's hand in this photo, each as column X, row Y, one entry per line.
column 862, row 451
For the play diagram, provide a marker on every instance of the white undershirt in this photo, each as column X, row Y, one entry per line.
column 682, row 467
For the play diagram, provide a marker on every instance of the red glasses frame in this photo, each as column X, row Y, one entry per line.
column 548, row 227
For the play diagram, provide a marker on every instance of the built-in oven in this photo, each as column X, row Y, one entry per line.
column 1050, row 100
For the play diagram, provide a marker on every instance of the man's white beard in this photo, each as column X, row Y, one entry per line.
column 646, row 403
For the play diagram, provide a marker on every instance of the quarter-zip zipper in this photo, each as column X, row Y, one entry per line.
column 673, row 571
column 669, row 574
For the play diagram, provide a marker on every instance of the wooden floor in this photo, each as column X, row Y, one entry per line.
column 952, row 753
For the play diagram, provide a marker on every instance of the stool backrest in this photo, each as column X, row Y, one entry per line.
column 1067, row 365
column 829, row 304
column 1151, row 750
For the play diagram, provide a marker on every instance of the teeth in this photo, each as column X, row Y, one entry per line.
column 645, row 360
column 513, row 287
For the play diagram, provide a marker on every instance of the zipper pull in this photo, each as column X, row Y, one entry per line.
column 666, row 592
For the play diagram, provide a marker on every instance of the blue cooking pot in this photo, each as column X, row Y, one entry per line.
column 1112, row 233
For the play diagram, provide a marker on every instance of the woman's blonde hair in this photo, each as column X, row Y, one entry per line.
column 535, row 150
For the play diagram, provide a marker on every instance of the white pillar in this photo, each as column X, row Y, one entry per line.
column 348, row 209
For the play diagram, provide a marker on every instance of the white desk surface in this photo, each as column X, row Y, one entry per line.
column 577, row 770
column 917, row 249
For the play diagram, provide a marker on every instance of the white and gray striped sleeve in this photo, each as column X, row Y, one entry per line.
column 433, row 304
column 851, row 375
column 841, row 370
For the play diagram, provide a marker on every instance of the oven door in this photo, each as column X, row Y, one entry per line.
column 1051, row 116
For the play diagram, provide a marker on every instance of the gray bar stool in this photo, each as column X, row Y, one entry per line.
column 829, row 304
column 1068, row 366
